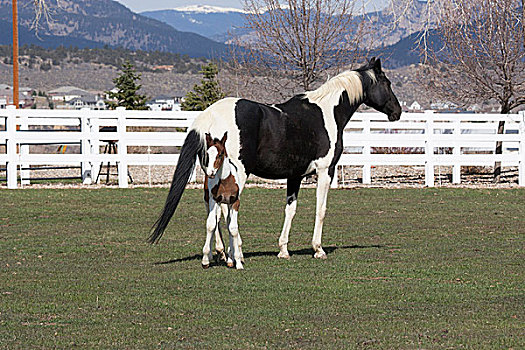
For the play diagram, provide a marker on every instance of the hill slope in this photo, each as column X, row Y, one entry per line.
column 94, row 23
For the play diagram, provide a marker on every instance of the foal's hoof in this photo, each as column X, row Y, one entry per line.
column 230, row 264
column 283, row 255
column 320, row 254
column 221, row 256
column 205, row 266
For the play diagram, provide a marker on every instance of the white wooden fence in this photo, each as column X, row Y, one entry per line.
column 432, row 139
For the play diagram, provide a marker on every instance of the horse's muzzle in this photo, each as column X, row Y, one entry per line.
column 394, row 116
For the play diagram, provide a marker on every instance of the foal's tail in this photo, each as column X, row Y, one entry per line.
column 192, row 147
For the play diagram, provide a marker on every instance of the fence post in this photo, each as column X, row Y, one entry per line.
column 94, row 143
column 429, row 149
column 85, row 148
column 456, row 152
column 24, row 150
column 122, row 148
column 521, row 168
column 11, row 148
column 367, row 167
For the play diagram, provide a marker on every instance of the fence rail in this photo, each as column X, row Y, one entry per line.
column 422, row 139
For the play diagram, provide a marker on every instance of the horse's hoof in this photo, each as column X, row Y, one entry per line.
column 205, row 266
column 230, row 264
column 239, row 266
column 283, row 255
column 320, row 254
column 221, row 256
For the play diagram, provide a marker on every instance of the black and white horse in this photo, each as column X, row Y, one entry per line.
column 289, row 141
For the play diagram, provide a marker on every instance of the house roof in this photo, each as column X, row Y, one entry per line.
column 68, row 90
column 86, row 99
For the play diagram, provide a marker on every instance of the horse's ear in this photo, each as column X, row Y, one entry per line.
column 377, row 65
column 209, row 140
column 223, row 140
column 372, row 62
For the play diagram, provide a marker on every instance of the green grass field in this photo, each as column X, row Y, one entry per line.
column 406, row 269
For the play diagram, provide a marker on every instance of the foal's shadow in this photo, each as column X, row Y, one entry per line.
column 306, row 251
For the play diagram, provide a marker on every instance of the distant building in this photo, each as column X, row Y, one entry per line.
column 67, row 93
column 414, row 106
column 168, row 68
column 164, row 103
column 93, row 102
column 440, row 105
column 6, row 97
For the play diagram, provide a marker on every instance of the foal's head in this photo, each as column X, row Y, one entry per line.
column 216, row 153
column 379, row 94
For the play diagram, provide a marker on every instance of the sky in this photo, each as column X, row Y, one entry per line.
column 145, row 5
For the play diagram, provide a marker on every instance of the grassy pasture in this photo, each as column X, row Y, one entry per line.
column 408, row 268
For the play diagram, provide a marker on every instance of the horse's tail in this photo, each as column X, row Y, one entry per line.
column 193, row 146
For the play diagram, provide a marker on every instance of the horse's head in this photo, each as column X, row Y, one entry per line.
column 379, row 94
column 216, row 151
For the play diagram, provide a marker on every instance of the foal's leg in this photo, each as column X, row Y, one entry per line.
column 225, row 212
column 211, row 225
column 219, row 245
column 292, row 190
column 227, row 218
column 234, row 232
column 323, row 185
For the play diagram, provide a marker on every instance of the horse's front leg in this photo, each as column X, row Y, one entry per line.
column 292, row 191
column 226, row 213
column 211, row 226
column 233, row 227
column 323, row 185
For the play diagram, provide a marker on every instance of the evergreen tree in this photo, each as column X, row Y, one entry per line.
column 205, row 94
column 126, row 84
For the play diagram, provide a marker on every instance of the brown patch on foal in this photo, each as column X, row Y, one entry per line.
column 226, row 191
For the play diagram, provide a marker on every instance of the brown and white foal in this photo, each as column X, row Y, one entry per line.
column 221, row 189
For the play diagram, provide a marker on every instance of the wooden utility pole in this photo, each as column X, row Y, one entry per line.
column 16, row 102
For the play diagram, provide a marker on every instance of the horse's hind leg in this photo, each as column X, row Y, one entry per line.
column 292, row 191
column 323, row 185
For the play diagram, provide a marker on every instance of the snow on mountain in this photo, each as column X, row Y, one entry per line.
column 210, row 21
column 207, row 9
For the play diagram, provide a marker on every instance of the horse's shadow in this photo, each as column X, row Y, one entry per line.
column 306, row 251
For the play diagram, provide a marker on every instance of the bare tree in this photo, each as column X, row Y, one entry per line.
column 42, row 12
column 483, row 55
column 299, row 40
column 481, row 52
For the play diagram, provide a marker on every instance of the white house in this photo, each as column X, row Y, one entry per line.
column 90, row 101
column 163, row 103
column 414, row 106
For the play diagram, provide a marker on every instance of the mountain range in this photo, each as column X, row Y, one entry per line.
column 95, row 23
column 196, row 31
column 209, row 21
